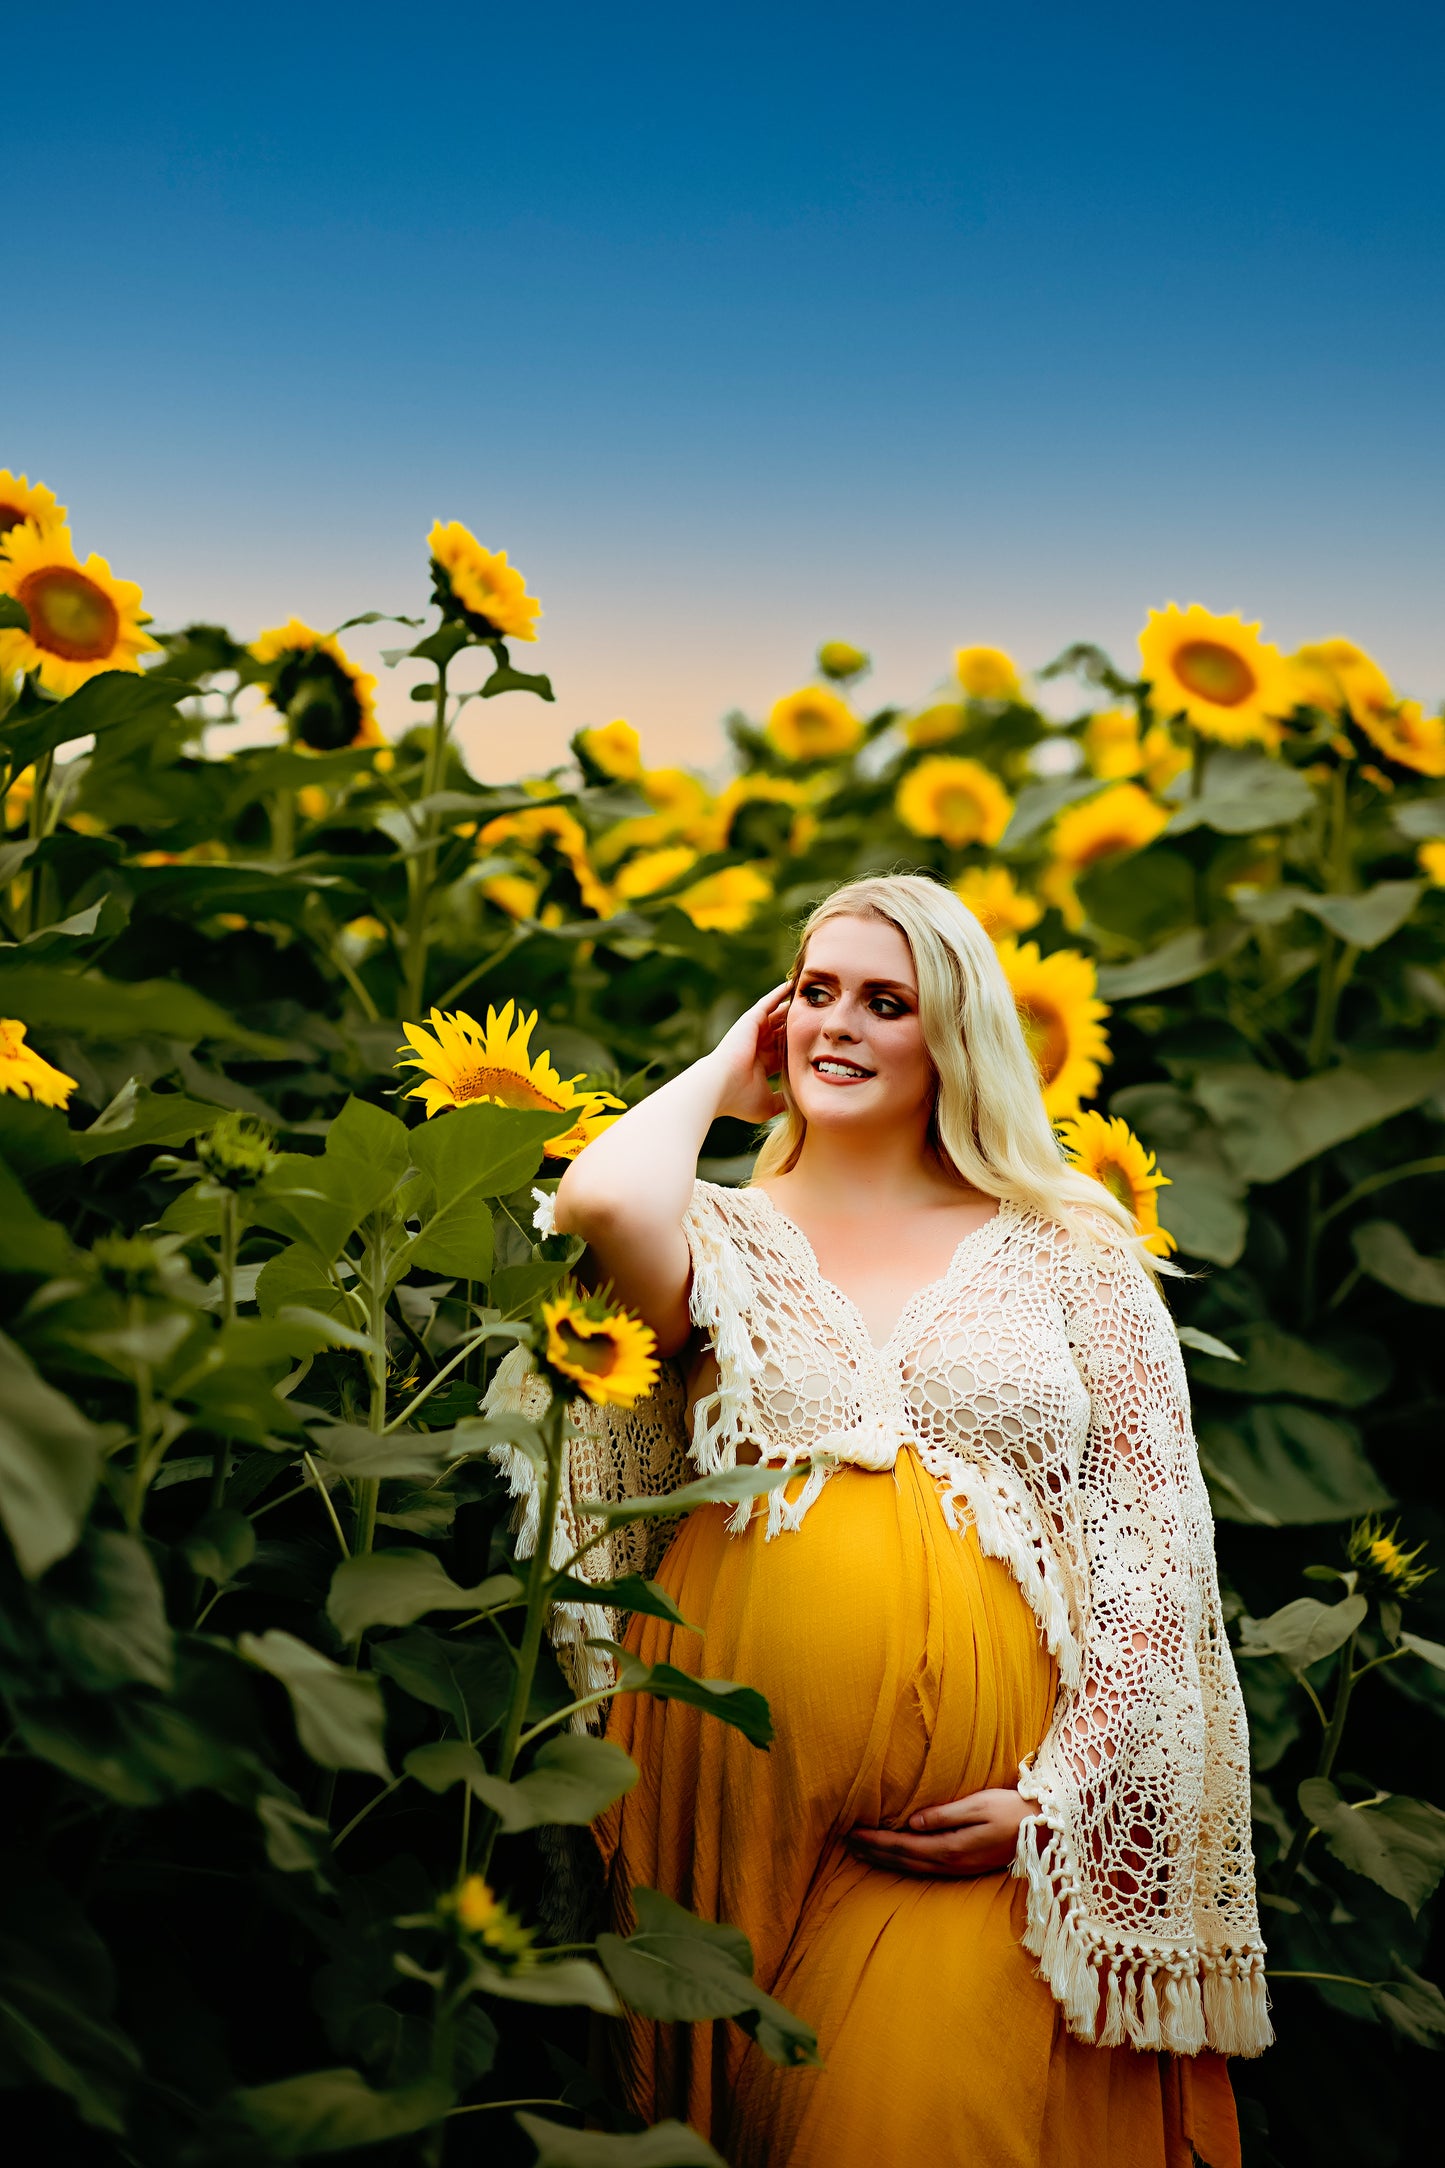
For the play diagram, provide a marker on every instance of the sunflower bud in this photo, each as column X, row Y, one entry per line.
column 1381, row 1561
column 478, row 1912
column 238, row 1152
column 841, row 660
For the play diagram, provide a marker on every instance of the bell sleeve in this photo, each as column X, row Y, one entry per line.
column 1138, row 1860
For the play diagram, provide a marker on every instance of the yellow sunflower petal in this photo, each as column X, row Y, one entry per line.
column 1062, row 1020
column 1109, row 1152
column 27, row 1074
column 25, row 502
column 987, row 673
column 813, row 724
column 611, row 1357
column 82, row 619
column 999, row 905
column 482, row 581
column 1217, row 671
column 960, row 801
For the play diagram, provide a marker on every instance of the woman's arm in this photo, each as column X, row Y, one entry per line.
column 627, row 1193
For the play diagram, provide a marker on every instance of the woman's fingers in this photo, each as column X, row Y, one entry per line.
column 978, row 1850
column 952, row 1814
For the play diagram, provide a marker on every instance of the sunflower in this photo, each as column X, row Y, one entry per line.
column 728, row 824
column 1111, row 744
column 1000, row 907
column 484, row 1915
column 464, row 1061
column 1431, row 858
column 1331, row 674
column 532, row 827
column 518, row 894
column 1110, row 1152
column 1062, row 1021
column 654, row 870
column 1380, row 1559
column 1217, row 671
column 987, row 673
column 24, row 501
column 1405, row 734
column 607, row 1352
column 615, row 749
column 329, row 702
column 725, row 901
column 1123, row 818
column 1164, row 757
column 935, row 725
column 814, row 724
column 82, row 619
column 958, row 800
column 479, row 586
column 23, row 1072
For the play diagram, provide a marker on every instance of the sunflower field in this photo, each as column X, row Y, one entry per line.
column 293, row 1032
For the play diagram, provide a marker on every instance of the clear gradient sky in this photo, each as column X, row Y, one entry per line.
column 741, row 326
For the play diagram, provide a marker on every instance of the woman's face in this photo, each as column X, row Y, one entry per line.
column 854, row 1042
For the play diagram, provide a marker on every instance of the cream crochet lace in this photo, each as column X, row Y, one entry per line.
column 1040, row 1383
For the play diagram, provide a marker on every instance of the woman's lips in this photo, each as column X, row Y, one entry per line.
column 833, row 1069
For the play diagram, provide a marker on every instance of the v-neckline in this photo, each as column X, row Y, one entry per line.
column 911, row 1302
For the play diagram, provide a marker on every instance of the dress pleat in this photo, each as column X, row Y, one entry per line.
column 903, row 1668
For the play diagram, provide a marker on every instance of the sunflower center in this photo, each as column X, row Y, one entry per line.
column 958, row 809
column 598, row 1356
column 502, row 1085
column 1214, row 672
column 1117, row 1183
column 813, row 727
column 69, row 615
column 319, row 700
column 1047, row 1037
column 1104, row 846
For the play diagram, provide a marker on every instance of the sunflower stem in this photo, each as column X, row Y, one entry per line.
column 38, row 828
column 1329, row 1747
column 539, row 1576
column 421, row 869
column 368, row 1489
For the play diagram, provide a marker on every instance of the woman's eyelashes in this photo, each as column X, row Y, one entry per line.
column 888, row 1006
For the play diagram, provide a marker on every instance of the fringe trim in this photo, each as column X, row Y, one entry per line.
column 720, row 1301
column 999, row 1536
column 1166, row 1998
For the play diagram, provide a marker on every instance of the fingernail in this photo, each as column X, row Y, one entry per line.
column 915, row 1821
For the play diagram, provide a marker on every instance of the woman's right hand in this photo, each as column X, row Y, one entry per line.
column 750, row 1055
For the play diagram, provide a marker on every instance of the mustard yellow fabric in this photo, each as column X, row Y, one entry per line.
column 903, row 1668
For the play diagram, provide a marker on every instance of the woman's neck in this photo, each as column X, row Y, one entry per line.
column 866, row 1172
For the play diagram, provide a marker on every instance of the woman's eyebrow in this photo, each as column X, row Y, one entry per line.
column 870, row 986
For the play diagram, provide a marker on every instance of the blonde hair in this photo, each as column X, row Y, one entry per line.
column 989, row 1127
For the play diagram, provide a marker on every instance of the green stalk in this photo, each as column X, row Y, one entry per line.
column 368, row 1489
column 538, row 1577
column 1329, row 1748
column 37, row 827
column 221, row 1460
column 421, row 869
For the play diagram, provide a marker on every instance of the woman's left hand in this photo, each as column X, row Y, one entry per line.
column 976, row 1835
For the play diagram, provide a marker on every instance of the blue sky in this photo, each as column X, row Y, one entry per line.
column 742, row 326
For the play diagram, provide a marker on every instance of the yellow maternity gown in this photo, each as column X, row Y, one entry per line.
column 906, row 1608
column 903, row 1668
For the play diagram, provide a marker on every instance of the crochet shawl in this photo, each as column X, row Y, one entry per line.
column 1040, row 1383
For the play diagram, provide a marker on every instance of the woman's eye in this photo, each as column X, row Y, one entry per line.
column 884, row 1005
column 815, row 994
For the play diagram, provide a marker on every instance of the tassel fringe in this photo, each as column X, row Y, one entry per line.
column 1000, row 1536
column 1164, row 1999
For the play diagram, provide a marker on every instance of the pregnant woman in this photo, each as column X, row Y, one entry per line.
column 999, row 1854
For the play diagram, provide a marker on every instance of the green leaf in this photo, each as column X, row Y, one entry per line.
column 1244, row 793
column 741, row 1706
column 351, row 1449
column 1037, row 803
column 468, row 1157
column 339, row 1713
column 1187, row 956
column 93, row 1007
column 1206, row 1344
column 504, row 679
column 1202, row 1209
column 68, row 2050
column 516, row 1288
column 1432, row 1651
column 296, row 1277
column 1270, row 1125
column 1420, row 818
column 1304, row 1631
column 14, row 617
column 111, row 698
column 321, row 1199
column 567, row 1981
column 221, row 1545
column 30, row 1244
column 1283, row 1464
column 1272, row 1361
column 571, row 1780
column 469, row 1681
column 332, row 2111
column 1365, row 921
column 397, row 1587
column 137, row 1116
column 1387, row 1254
column 1415, row 2007
column 105, row 1615
column 631, row 1593
column 49, row 1464
column 728, row 1488
column 34, row 1138
column 676, row 1967
column 666, row 2145
column 1399, row 1844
